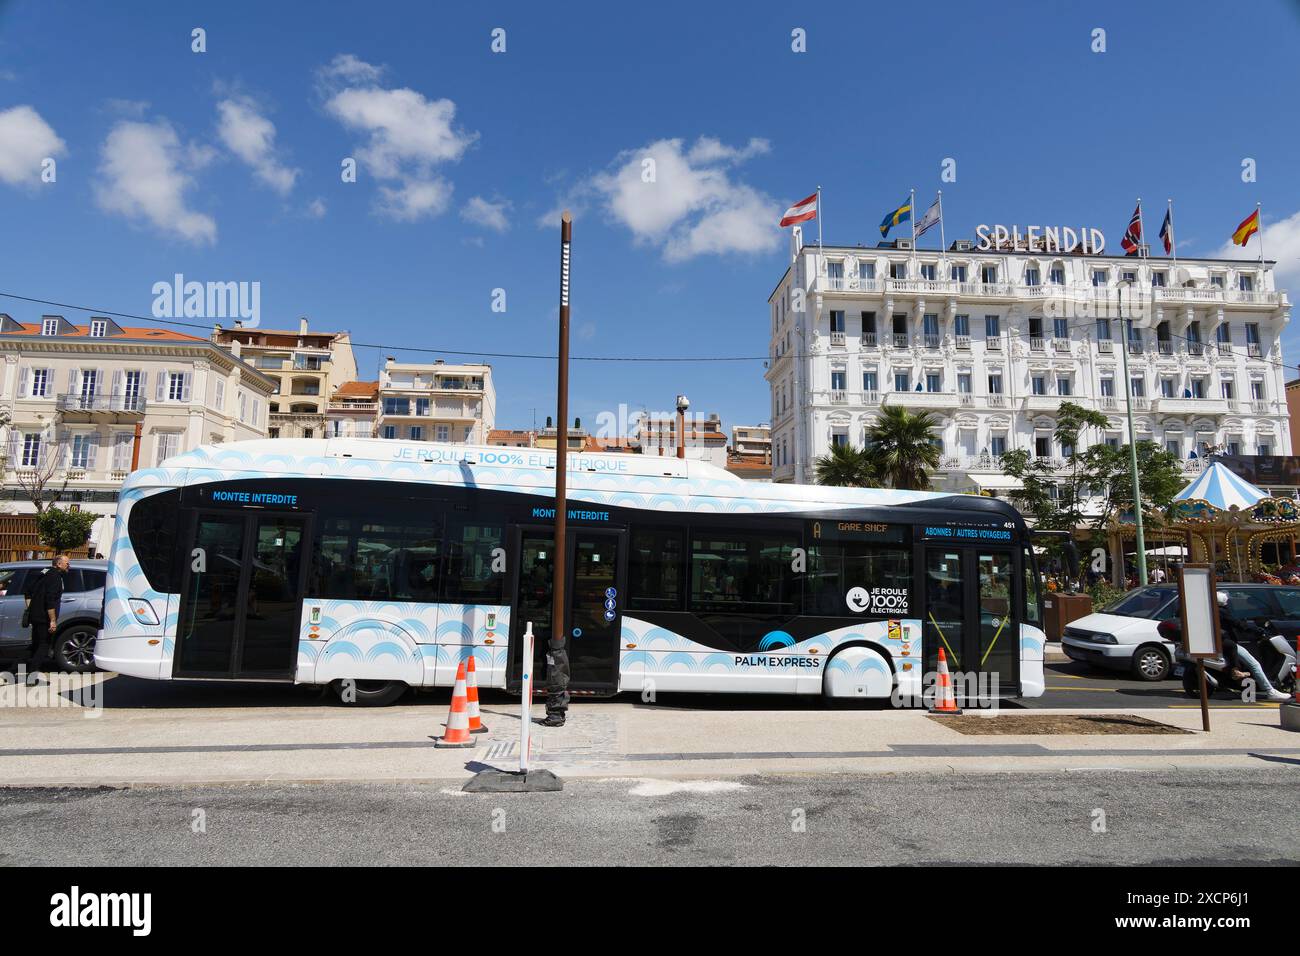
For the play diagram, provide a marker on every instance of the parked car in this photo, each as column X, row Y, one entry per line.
column 80, row 614
column 1125, row 635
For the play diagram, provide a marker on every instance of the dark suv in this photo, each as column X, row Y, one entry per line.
column 81, row 612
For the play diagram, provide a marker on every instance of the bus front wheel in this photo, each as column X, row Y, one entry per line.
column 368, row 693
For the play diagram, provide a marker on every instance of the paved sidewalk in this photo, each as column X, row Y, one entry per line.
column 236, row 740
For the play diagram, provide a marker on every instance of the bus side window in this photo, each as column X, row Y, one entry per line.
column 475, row 572
column 654, row 570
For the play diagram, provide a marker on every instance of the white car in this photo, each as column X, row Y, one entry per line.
column 1124, row 636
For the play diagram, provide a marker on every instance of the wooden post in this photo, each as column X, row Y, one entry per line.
column 558, row 672
column 135, row 446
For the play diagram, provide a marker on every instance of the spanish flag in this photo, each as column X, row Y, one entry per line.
column 1249, row 226
column 893, row 218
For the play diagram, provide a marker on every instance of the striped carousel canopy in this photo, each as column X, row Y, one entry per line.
column 1222, row 489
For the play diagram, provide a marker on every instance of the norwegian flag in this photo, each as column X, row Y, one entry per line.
column 801, row 211
column 1132, row 241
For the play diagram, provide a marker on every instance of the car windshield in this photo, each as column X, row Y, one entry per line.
column 1144, row 602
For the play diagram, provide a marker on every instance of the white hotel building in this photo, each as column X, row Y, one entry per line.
column 992, row 341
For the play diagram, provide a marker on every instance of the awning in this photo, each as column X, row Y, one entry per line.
column 995, row 482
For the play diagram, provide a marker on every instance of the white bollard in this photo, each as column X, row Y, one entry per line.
column 526, row 696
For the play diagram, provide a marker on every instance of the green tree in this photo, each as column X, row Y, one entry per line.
column 1056, row 497
column 900, row 447
column 1160, row 474
column 846, row 467
column 64, row 530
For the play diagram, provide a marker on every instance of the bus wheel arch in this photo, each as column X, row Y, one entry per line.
column 860, row 669
column 368, row 693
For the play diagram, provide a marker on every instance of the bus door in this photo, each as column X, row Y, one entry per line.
column 594, row 591
column 241, row 596
column 969, row 612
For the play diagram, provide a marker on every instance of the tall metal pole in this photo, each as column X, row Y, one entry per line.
column 1127, row 328
column 557, row 669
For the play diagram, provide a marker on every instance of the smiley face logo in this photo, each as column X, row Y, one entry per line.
column 857, row 599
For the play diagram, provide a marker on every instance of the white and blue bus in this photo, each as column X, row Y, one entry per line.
column 378, row 565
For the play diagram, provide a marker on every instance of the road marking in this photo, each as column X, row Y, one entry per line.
column 663, row 788
column 1095, row 690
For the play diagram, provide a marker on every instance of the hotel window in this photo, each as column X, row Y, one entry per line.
column 898, row 270
column 390, row 431
column 1042, row 446
column 1103, row 330
column 1061, row 328
column 40, row 383
column 1265, row 448
column 1128, row 276
column 49, row 327
column 82, row 455
column 167, row 445
column 998, row 445
column 1246, row 283
column 1056, row 275
column 176, row 387
column 988, row 274
column 1223, row 334
column 417, row 433
column 902, row 380
column 1226, row 389
column 933, row 382
column 1032, row 277
column 1038, row 385
column 992, row 326
column 89, row 385
column 1112, row 441
column 1167, row 388
column 839, row 438
column 837, row 321
column 98, row 328
column 961, row 326
column 442, row 432
column 930, row 325
column 1063, row 385
column 1157, row 280
column 995, row 383
column 1098, row 277
column 1108, row 387
column 422, row 406
column 866, row 270
column 1234, row 445
column 837, row 380
column 869, row 382
column 958, row 273
column 835, row 272
column 1138, row 387
column 31, row 455
column 1216, row 282
column 927, row 271
column 1252, row 334
column 1257, row 391
column 868, row 323
column 964, row 383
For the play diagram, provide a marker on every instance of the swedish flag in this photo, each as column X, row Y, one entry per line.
column 900, row 215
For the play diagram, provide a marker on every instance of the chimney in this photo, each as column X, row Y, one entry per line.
column 302, row 325
column 548, row 421
column 234, row 347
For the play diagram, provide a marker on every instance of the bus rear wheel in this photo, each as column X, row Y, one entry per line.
column 368, row 693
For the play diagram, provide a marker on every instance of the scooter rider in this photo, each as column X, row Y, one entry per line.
column 1232, row 632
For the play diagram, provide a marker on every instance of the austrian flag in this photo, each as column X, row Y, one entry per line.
column 801, row 211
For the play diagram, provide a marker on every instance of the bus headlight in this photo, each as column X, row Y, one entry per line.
column 143, row 611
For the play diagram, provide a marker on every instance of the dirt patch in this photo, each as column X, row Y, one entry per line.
column 1005, row 725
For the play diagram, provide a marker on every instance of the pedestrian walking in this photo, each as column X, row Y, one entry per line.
column 43, row 593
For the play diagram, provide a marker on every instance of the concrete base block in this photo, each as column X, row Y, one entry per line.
column 1290, row 716
column 509, row 781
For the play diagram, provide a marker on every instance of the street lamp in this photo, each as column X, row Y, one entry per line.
column 1127, row 330
column 683, row 403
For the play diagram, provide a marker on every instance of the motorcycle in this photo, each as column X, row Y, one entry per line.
column 1276, row 655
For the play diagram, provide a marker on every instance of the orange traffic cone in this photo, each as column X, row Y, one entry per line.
column 457, row 734
column 945, row 700
column 475, row 721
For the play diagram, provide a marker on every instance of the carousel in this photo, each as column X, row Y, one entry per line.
column 1243, row 531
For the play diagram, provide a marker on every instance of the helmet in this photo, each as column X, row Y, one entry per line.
column 1223, row 598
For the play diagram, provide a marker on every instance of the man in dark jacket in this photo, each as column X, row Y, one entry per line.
column 44, row 592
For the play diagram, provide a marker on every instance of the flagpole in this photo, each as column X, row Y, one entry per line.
column 911, row 217
column 1259, row 214
column 1173, row 238
column 1141, row 230
column 943, row 243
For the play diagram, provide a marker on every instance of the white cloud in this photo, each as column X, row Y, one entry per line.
column 691, row 206
column 1281, row 243
column 489, row 215
column 145, row 175
column 25, row 140
column 251, row 136
column 316, row 208
column 407, row 137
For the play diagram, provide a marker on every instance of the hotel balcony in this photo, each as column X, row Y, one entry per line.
column 1215, row 295
column 469, row 410
column 101, row 409
column 1050, row 403
column 1190, row 406
column 922, row 400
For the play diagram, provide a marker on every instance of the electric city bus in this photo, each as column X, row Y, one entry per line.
column 377, row 565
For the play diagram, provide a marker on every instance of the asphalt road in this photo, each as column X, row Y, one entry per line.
column 1182, row 818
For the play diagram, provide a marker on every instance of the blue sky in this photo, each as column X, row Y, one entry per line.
column 225, row 165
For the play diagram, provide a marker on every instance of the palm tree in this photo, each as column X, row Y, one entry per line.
column 900, row 448
column 846, row 467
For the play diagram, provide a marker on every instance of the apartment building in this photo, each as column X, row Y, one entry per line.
column 991, row 341
column 307, row 367
column 352, row 410
column 75, row 394
column 436, row 402
column 752, row 443
column 705, row 439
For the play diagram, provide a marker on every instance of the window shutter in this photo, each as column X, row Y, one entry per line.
column 116, row 391
column 92, row 453
column 185, row 386
column 162, row 384
column 221, row 395
column 74, row 379
column 24, row 375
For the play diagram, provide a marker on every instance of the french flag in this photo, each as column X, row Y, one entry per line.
column 801, row 211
